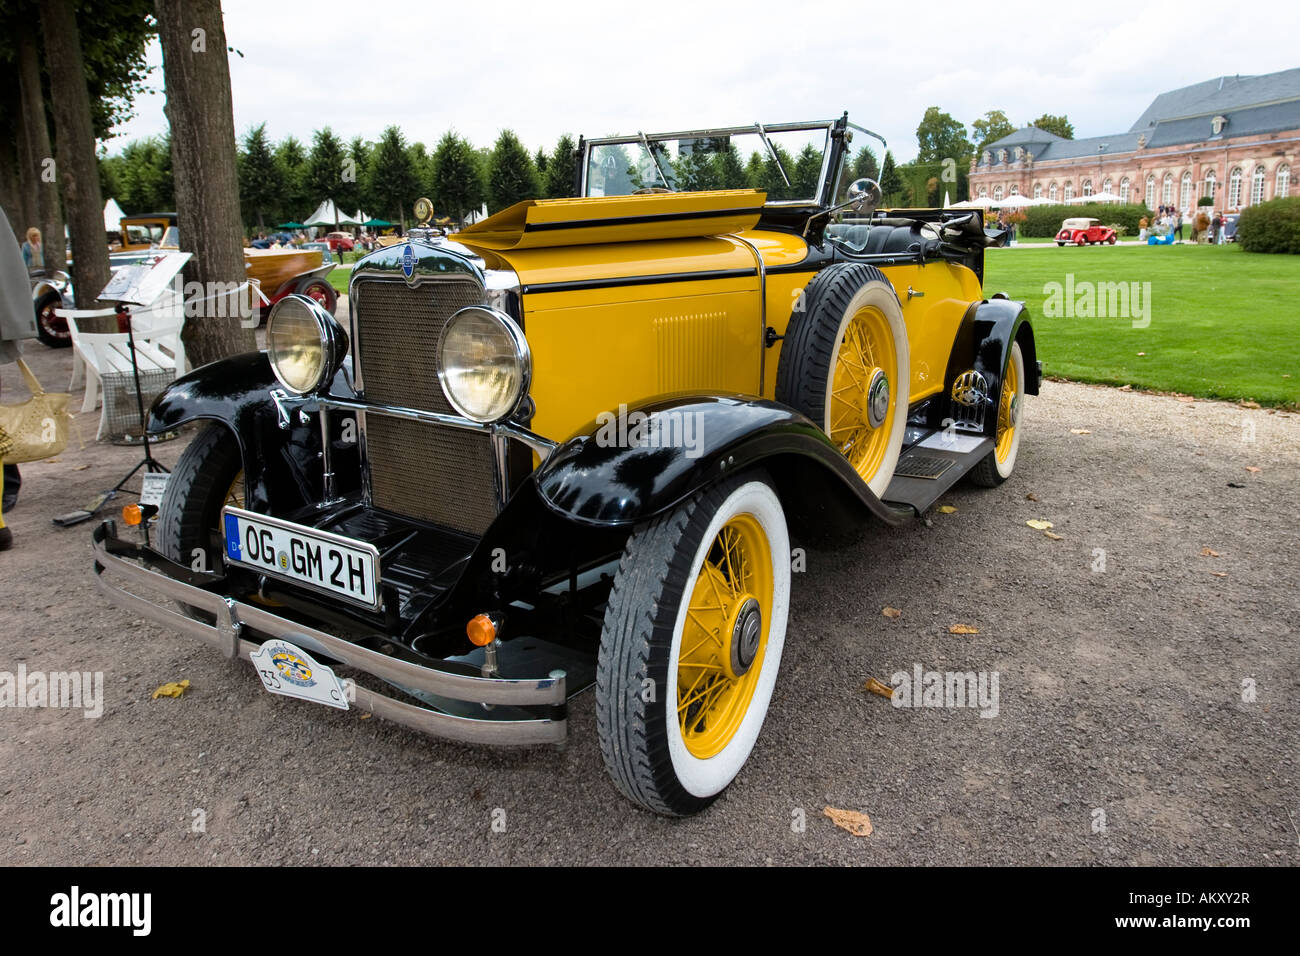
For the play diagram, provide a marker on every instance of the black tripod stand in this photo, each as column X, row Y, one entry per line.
column 148, row 462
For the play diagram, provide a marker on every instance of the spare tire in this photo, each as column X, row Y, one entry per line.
column 844, row 363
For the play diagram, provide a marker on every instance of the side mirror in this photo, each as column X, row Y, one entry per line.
column 864, row 195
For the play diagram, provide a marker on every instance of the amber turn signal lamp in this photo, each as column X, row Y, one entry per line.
column 481, row 629
column 132, row 515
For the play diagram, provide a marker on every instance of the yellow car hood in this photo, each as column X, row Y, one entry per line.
column 546, row 223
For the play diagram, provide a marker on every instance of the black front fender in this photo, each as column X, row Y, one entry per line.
column 282, row 466
column 626, row 468
column 984, row 342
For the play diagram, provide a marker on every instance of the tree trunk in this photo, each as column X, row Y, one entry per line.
column 35, row 171
column 202, row 120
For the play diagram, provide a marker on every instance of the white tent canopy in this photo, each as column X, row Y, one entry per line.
column 1095, row 197
column 1012, row 202
column 327, row 214
column 112, row 216
column 979, row 202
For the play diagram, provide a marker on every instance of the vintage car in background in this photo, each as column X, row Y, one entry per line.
column 1230, row 221
column 140, row 233
column 1083, row 231
column 52, row 289
column 574, row 445
column 339, row 241
column 326, row 253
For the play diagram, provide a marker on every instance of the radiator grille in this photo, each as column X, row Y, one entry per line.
column 429, row 472
column 397, row 338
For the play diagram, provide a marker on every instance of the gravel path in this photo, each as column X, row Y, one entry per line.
column 1146, row 713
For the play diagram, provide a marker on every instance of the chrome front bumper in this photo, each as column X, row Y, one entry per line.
column 118, row 577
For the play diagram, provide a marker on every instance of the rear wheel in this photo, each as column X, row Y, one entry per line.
column 997, row 465
column 844, row 364
column 691, row 645
column 51, row 329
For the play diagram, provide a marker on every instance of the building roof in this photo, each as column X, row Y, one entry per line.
column 1252, row 105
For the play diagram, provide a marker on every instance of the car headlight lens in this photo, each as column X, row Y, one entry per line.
column 304, row 343
column 483, row 364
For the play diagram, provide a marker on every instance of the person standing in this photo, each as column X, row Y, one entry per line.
column 33, row 254
column 1215, row 225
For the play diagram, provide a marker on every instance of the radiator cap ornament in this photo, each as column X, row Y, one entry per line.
column 423, row 211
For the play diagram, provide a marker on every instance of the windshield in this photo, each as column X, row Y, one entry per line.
column 791, row 170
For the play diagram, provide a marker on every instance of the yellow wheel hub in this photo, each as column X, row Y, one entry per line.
column 1008, row 411
column 863, row 401
column 724, row 636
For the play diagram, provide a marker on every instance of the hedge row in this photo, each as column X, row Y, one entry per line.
column 1046, row 220
column 1273, row 226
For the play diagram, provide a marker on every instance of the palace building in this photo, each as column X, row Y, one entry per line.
column 1233, row 139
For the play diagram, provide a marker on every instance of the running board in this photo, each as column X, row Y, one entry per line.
column 927, row 470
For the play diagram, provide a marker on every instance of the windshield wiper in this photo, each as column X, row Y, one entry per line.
column 777, row 159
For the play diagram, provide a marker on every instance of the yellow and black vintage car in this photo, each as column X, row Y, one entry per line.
column 571, row 446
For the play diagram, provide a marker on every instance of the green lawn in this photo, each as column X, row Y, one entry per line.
column 339, row 278
column 1223, row 323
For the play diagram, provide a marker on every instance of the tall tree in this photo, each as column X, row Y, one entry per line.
column 806, row 176
column 36, row 170
column 730, row 172
column 458, row 186
column 260, row 183
column 144, row 180
column 202, row 120
column 512, row 177
column 891, row 183
column 359, row 154
column 991, row 127
column 78, row 169
column 944, row 147
column 394, row 183
column 1060, row 125
column 325, row 168
column 865, row 165
column 295, row 201
column 561, row 168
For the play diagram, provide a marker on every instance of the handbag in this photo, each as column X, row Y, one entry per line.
column 36, row 428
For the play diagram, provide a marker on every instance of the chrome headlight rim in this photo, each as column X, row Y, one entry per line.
column 333, row 342
column 523, row 357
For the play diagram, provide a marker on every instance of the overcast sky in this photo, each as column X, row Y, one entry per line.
column 546, row 68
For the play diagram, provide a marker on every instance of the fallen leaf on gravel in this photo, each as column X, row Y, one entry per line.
column 1252, row 469
column 171, row 689
column 81, row 468
column 963, row 629
column 1031, row 496
column 52, row 461
column 1209, row 553
column 875, row 687
column 891, row 612
column 946, row 510
column 1185, row 398
column 1080, row 431
column 1220, row 574
column 1249, row 404
column 366, row 716
column 1126, row 388
column 1039, row 524
column 859, row 824
column 1054, row 536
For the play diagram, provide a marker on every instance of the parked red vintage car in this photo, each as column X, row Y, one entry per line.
column 339, row 241
column 1082, row 232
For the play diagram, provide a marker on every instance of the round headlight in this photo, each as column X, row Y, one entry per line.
column 304, row 343
column 483, row 364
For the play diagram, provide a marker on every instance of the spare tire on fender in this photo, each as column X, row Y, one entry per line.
column 844, row 363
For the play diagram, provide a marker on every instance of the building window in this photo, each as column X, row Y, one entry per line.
column 1234, row 188
column 1151, row 191
column 1108, row 185
column 1051, row 192
column 1038, row 189
column 1210, row 183
column 1069, row 192
column 1087, row 187
column 984, row 192
column 1002, row 156
column 988, row 157
column 1283, row 187
column 997, row 193
column 1185, row 193
column 1124, row 188
column 1015, row 190
column 1257, row 186
column 1167, row 190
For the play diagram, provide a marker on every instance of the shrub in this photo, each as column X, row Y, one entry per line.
column 1045, row 221
column 1273, row 226
column 1205, row 201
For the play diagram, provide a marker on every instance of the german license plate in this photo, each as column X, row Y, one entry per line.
column 317, row 559
column 288, row 670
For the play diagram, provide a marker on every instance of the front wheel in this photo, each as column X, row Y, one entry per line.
column 320, row 292
column 51, row 329
column 997, row 465
column 692, row 641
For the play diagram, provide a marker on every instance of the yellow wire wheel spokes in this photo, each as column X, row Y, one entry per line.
column 862, row 400
column 1008, row 411
column 724, row 636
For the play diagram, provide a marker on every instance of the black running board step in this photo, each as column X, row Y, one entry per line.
column 912, row 488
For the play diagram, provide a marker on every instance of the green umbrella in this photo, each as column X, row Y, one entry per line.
column 377, row 223
column 291, row 225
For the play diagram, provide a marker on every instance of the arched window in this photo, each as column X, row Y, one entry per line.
column 1087, row 187
column 1257, row 186
column 1108, row 185
column 1234, row 188
column 1167, row 190
column 1151, row 191
column 1038, row 190
column 987, row 157
column 984, row 192
column 1051, row 192
column 1283, row 186
column 1015, row 190
column 1210, row 183
column 1185, row 192
column 997, row 193
column 1124, row 188
column 1068, row 193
